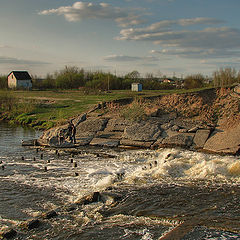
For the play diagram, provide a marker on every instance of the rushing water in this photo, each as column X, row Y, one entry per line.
column 185, row 194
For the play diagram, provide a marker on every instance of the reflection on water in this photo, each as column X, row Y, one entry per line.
column 158, row 191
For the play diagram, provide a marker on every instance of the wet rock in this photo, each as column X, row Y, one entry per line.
column 8, row 234
column 225, row 141
column 31, row 224
column 49, row 214
column 108, row 197
column 143, row 131
column 94, row 197
column 201, row 137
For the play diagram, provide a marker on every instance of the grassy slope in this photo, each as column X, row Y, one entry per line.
column 56, row 106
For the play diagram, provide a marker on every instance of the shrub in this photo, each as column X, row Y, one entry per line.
column 225, row 77
column 194, row 81
column 135, row 112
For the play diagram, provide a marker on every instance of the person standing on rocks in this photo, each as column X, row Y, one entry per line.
column 61, row 137
column 71, row 132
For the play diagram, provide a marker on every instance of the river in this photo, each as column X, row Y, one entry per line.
column 162, row 194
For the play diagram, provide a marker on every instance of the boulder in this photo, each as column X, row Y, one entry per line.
column 180, row 140
column 143, row 131
column 8, row 234
column 79, row 119
column 30, row 224
column 91, row 198
column 92, row 125
column 201, row 137
column 50, row 137
column 49, row 214
column 224, row 141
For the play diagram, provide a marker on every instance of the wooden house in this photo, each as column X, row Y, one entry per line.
column 19, row 80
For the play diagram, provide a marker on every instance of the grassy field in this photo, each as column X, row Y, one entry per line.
column 44, row 109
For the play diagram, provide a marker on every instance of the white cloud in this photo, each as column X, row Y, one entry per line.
column 125, row 58
column 197, row 52
column 83, row 10
column 164, row 26
column 208, row 42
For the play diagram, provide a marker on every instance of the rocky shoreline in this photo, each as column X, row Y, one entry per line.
column 202, row 121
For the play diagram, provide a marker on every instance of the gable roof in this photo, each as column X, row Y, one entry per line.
column 21, row 75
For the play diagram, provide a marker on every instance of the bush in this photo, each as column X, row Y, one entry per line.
column 225, row 77
column 135, row 112
column 194, row 81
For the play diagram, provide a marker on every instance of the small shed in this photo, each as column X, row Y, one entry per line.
column 136, row 87
column 19, row 79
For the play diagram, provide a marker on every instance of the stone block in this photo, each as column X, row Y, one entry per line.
column 117, row 125
column 201, row 137
column 143, row 131
column 92, row 125
column 180, row 140
column 224, row 141
column 133, row 143
column 104, row 142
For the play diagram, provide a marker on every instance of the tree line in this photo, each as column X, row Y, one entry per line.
column 72, row 77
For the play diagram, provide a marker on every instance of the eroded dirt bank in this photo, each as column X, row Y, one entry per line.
column 206, row 120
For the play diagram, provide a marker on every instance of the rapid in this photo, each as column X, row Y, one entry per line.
column 159, row 192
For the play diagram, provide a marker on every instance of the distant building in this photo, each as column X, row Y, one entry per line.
column 136, row 87
column 19, row 79
column 168, row 80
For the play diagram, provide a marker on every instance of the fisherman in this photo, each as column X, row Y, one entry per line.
column 71, row 132
column 61, row 137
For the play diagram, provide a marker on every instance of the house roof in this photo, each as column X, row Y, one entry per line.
column 21, row 75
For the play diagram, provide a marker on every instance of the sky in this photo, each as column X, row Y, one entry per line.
column 162, row 37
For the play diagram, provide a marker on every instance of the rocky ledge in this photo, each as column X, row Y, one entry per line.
column 214, row 126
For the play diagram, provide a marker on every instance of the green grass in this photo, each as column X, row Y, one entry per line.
column 43, row 109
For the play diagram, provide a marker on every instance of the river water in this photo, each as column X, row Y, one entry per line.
column 162, row 194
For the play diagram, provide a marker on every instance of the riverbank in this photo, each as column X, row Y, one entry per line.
column 207, row 120
column 45, row 109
